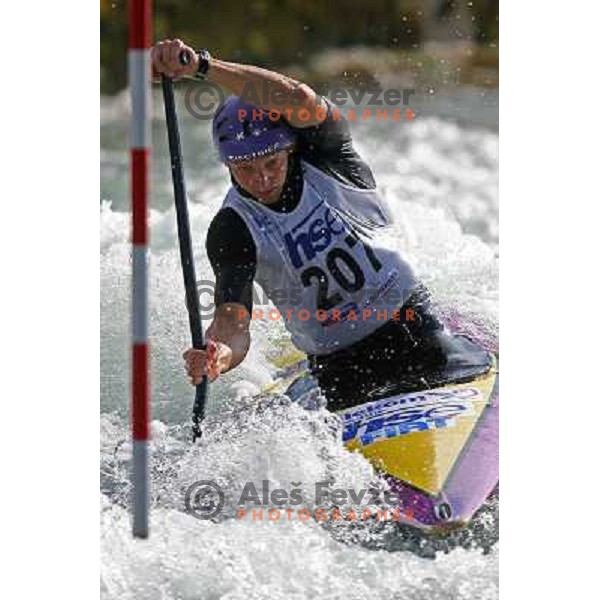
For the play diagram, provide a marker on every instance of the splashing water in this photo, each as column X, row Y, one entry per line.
column 440, row 179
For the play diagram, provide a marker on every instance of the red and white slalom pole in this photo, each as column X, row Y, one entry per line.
column 140, row 34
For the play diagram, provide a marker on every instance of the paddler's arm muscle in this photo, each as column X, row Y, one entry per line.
column 270, row 90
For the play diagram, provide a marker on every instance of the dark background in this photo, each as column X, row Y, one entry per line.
column 441, row 42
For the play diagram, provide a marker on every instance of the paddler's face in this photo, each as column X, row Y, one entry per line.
column 262, row 177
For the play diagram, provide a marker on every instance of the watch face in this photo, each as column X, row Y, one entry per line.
column 203, row 64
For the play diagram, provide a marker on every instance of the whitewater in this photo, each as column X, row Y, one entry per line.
column 440, row 177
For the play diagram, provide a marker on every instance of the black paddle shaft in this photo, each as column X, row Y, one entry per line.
column 185, row 246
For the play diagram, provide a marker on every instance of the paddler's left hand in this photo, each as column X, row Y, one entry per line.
column 210, row 362
column 165, row 59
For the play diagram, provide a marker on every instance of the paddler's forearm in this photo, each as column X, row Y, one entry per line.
column 269, row 90
column 231, row 328
column 297, row 102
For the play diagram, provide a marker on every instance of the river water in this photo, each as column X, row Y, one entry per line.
column 440, row 176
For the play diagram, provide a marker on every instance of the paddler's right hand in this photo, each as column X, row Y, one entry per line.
column 211, row 361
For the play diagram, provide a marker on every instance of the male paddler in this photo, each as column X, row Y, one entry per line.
column 304, row 219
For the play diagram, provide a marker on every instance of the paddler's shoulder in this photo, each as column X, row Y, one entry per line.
column 227, row 228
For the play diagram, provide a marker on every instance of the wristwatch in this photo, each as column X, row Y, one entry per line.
column 203, row 63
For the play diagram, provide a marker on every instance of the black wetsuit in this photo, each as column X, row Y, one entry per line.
column 402, row 356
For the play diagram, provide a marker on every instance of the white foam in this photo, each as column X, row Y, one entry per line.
column 190, row 559
column 440, row 179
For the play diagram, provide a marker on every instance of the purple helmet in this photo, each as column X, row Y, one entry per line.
column 248, row 138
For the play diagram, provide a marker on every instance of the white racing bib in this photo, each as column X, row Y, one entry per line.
column 331, row 266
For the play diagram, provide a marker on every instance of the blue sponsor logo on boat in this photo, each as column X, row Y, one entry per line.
column 434, row 409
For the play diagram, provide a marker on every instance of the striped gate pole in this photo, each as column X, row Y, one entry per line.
column 140, row 34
